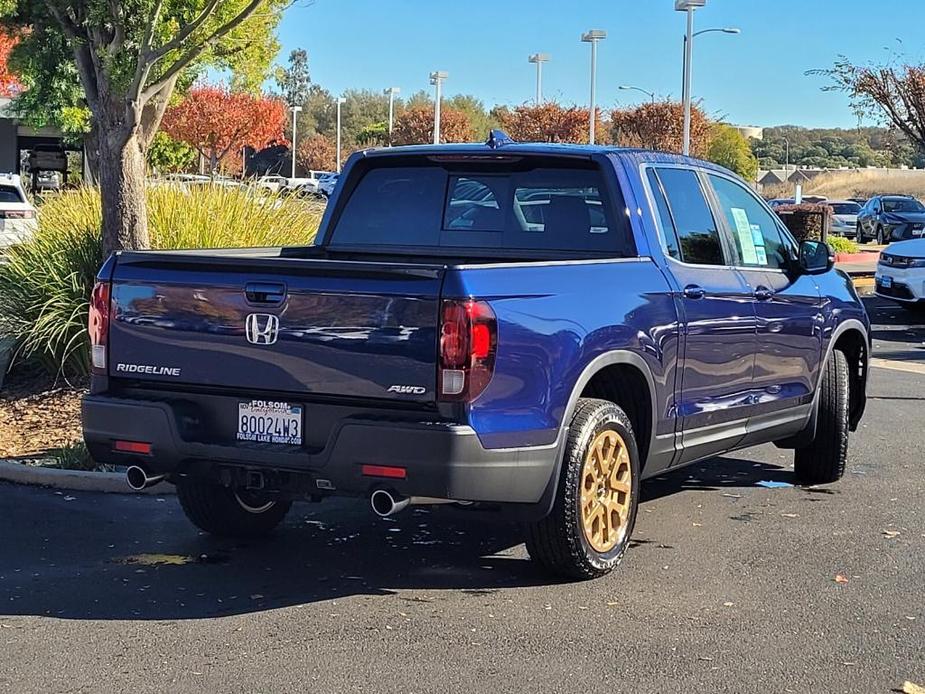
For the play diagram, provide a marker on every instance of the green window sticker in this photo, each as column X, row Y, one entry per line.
column 746, row 238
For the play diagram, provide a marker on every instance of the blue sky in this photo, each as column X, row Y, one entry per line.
column 755, row 78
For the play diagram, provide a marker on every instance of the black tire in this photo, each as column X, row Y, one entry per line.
column 860, row 234
column 824, row 460
column 879, row 235
column 228, row 512
column 558, row 541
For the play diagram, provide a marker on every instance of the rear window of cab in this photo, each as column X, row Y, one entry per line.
column 544, row 209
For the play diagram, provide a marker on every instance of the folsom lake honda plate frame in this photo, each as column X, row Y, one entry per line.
column 268, row 421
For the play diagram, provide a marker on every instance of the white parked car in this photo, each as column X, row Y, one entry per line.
column 306, row 184
column 901, row 273
column 271, row 182
column 18, row 217
column 844, row 217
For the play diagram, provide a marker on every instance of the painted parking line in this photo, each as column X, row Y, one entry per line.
column 909, row 367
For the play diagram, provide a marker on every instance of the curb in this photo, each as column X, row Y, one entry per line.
column 861, row 257
column 75, row 480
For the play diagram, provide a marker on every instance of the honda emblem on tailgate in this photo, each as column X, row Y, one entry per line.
column 261, row 328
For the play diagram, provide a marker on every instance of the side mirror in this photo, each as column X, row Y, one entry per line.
column 816, row 257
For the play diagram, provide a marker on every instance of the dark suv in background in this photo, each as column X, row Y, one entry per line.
column 887, row 218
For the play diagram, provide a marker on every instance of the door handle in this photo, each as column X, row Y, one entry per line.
column 763, row 294
column 265, row 292
column 693, row 291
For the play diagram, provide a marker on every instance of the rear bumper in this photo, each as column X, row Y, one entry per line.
column 441, row 460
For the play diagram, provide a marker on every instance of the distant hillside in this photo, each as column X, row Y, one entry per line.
column 835, row 147
column 837, row 185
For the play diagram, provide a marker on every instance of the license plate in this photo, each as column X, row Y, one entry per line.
column 886, row 282
column 266, row 421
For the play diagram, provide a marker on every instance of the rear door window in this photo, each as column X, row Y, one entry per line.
column 669, row 234
column 697, row 232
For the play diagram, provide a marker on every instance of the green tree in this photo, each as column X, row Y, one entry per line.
column 130, row 56
column 729, row 148
column 482, row 120
column 294, row 80
column 166, row 155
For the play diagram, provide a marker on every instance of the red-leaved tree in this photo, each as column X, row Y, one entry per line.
column 660, row 125
column 548, row 122
column 215, row 121
column 317, row 152
column 10, row 86
column 415, row 126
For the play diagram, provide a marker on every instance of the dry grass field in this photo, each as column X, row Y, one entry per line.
column 836, row 185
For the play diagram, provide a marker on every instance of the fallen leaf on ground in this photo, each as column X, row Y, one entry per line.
column 728, row 604
column 733, row 496
column 841, row 579
column 790, row 515
column 157, row 559
column 912, row 688
column 612, row 604
column 891, row 533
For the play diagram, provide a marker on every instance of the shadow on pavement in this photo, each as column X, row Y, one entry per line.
column 90, row 556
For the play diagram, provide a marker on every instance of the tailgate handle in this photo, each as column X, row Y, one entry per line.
column 265, row 292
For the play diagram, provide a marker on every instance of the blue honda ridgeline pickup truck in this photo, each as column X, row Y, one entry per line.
column 532, row 328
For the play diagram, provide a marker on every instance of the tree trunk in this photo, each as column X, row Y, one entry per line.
column 122, row 187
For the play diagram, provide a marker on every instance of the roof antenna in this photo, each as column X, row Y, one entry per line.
column 498, row 138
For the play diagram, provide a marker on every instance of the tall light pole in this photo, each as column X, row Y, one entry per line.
column 295, row 110
column 688, row 6
column 391, row 91
column 538, row 59
column 787, row 160
column 340, row 101
column 436, row 79
column 626, row 87
column 593, row 36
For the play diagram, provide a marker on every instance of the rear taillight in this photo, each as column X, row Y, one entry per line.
column 468, row 341
column 98, row 325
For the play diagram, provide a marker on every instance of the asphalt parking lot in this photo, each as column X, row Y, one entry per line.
column 730, row 586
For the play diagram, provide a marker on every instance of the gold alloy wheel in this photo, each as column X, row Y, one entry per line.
column 606, row 487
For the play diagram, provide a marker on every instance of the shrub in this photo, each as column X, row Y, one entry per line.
column 805, row 221
column 840, row 244
column 74, row 456
column 45, row 285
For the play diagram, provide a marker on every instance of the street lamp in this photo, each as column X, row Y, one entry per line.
column 340, row 101
column 688, row 6
column 436, row 79
column 538, row 59
column 626, row 87
column 787, row 160
column 391, row 91
column 295, row 110
column 593, row 36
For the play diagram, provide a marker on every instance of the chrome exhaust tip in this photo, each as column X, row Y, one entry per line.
column 138, row 479
column 384, row 504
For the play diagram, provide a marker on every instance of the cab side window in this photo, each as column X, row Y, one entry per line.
column 696, row 230
column 755, row 232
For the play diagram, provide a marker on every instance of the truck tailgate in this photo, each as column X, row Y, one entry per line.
column 258, row 323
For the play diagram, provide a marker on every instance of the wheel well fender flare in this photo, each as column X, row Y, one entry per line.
column 602, row 361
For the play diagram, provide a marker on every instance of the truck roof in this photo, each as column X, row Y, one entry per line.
column 499, row 143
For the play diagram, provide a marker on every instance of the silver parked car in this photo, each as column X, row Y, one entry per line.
column 844, row 216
